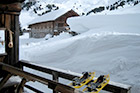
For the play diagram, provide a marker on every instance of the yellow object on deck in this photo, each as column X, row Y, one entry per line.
column 99, row 86
column 84, row 81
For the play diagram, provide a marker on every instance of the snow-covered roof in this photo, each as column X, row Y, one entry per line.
column 51, row 16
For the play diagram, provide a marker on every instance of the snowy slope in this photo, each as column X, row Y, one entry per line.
column 126, row 10
column 112, row 23
column 80, row 6
column 99, row 48
column 114, row 54
column 109, row 43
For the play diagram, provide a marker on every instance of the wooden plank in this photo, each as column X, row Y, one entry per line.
column 10, row 13
column 10, row 1
column 4, row 80
column 12, row 22
column 13, row 7
column 33, row 89
column 3, row 54
column 16, row 39
column 2, row 20
column 47, row 70
column 112, row 86
column 7, row 21
column 2, row 58
column 118, row 87
column 55, row 78
column 21, row 86
column 31, row 77
column 2, row 28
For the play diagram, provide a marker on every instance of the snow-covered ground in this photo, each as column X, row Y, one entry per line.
column 108, row 44
column 104, row 47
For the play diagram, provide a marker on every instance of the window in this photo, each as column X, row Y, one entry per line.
column 60, row 24
column 2, row 41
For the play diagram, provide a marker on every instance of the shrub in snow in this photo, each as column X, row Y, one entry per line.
column 122, row 3
column 96, row 10
column 37, row 7
column 136, row 2
column 107, row 7
column 73, row 33
column 28, row 5
column 130, row 0
column 112, row 7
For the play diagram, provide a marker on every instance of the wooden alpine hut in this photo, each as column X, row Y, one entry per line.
column 51, row 23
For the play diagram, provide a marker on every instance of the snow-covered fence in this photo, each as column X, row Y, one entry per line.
column 26, row 76
column 51, row 83
column 56, row 73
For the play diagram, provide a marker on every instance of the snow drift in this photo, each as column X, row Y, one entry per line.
column 111, row 23
column 116, row 54
column 108, row 44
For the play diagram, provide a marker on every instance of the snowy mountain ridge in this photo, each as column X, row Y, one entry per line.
column 41, row 7
column 35, row 8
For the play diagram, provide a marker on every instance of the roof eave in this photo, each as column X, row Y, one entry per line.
column 41, row 22
column 11, row 1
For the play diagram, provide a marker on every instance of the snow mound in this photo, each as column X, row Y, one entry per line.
column 110, row 53
column 112, row 23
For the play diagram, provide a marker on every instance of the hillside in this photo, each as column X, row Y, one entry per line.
column 35, row 8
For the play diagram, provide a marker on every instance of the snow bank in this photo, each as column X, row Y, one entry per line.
column 109, row 23
column 108, row 44
column 25, row 36
column 116, row 54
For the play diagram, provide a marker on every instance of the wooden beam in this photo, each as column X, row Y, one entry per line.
column 4, row 80
column 2, row 56
column 112, row 86
column 9, row 19
column 55, row 78
column 31, row 77
column 10, row 1
column 21, row 86
column 12, row 22
column 33, row 89
column 47, row 70
column 13, row 7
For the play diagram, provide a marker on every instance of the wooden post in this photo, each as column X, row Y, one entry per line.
column 4, row 80
column 9, row 19
column 21, row 86
column 60, row 87
column 55, row 78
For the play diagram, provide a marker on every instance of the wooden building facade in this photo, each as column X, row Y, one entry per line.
column 52, row 26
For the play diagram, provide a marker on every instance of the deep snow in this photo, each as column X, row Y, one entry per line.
column 98, row 48
column 107, row 44
column 104, row 47
column 116, row 54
